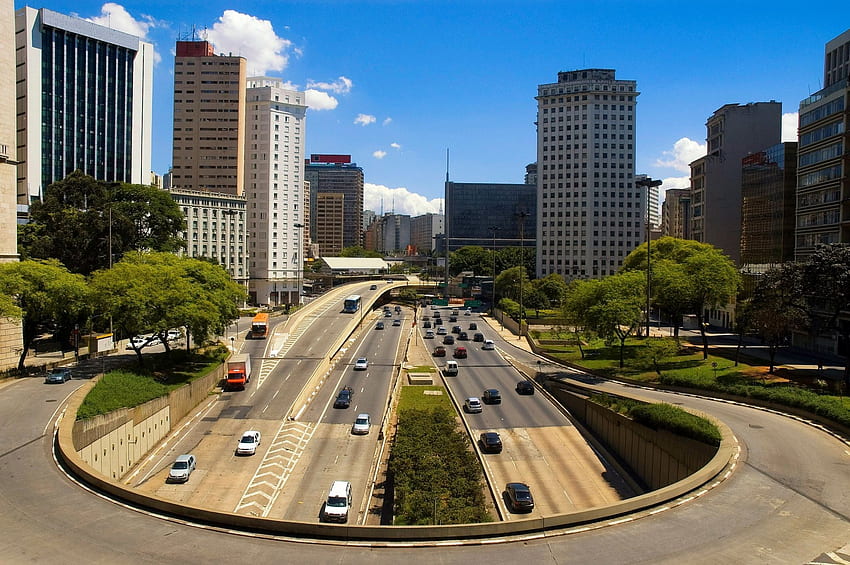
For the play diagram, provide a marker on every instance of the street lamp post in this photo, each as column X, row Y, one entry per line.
column 493, row 229
column 648, row 183
column 522, row 215
column 299, row 265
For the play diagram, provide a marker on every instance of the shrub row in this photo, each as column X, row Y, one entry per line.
column 663, row 416
column 436, row 477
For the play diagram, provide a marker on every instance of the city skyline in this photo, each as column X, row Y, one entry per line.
column 398, row 84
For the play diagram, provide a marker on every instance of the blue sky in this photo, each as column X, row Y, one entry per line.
column 397, row 83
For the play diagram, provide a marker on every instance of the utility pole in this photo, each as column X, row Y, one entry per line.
column 648, row 183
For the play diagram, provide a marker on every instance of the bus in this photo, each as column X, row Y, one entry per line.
column 260, row 326
column 352, row 304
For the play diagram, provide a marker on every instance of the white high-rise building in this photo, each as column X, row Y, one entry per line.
column 274, row 184
column 589, row 212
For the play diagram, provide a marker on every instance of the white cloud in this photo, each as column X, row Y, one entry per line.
column 364, row 119
column 789, row 126
column 250, row 37
column 115, row 16
column 395, row 145
column 386, row 121
column 683, row 153
column 379, row 154
column 342, row 85
column 318, row 100
column 378, row 197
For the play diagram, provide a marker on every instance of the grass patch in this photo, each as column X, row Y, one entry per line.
column 414, row 398
column 422, row 369
column 128, row 387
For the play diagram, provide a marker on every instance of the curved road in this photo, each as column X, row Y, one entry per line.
column 787, row 502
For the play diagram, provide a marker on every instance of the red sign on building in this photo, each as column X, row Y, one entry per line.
column 319, row 158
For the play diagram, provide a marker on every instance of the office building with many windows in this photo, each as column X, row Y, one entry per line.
column 590, row 214
column 84, row 99
column 274, row 185
column 336, row 174
column 676, row 213
column 474, row 210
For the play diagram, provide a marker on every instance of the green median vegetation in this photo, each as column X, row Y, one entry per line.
column 436, row 476
column 130, row 387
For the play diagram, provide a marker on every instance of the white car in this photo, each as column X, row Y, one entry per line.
column 361, row 424
column 429, row 334
column 488, row 344
column 249, row 442
column 442, row 330
column 361, row 364
column 181, row 469
column 173, row 335
column 142, row 341
column 472, row 405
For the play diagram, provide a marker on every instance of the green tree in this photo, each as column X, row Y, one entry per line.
column 612, row 307
column 553, row 286
column 656, row 350
column 535, row 299
column 697, row 276
column 777, row 307
column 470, row 258
column 42, row 292
column 508, row 283
column 515, row 256
column 359, row 251
column 79, row 217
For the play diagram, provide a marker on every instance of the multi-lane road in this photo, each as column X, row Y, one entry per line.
column 786, row 502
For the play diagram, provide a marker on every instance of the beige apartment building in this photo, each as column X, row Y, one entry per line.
column 330, row 213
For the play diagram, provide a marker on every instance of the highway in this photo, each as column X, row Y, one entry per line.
column 787, row 502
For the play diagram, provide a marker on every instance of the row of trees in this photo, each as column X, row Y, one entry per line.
column 144, row 292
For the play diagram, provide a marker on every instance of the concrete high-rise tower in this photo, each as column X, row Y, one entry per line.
column 84, row 102
column 589, row 212
column 338, row 175
column 274, row 184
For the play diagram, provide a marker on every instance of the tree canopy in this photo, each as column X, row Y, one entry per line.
column 79, row 216
column 358, row 251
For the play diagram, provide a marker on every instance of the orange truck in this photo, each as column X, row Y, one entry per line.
column 260, row 326
column 238, row 371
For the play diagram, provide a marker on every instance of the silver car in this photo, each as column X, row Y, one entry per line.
column 361, row 424
column 181, row 469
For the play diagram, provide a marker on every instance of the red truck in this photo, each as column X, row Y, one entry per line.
column 238, row 371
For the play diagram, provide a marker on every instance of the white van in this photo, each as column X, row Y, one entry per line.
column 451, row 369
column 338, row 503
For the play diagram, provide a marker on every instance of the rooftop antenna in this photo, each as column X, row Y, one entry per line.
column 447, row 164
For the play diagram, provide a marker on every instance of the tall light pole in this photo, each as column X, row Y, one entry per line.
column 300, row 261
column 648, row 183
column 522, row 215
column 494, row 229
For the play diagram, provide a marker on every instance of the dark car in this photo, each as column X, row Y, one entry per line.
column 463, row 336
column 460, row 353
column 452, row 319
column 373, row 287
column 439, row 351
column 473, row 326
column 456, row 329
column 449, row 340
column 396, row 322
column 379, row 326
column 58, row 375
column 519, row 497
column 491, row 396
column 490, row 442
column 478, row 337
column 426, row 324
column 524, row 387
column 344, row 398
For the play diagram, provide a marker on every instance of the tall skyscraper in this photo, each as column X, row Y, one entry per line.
column 823, row 179
column 276, row 121
column 423, row 229
column 474, row 209
column 676, row 213
column 732, row 132
column 84, row 102
column 330, row 221
column 338, row 175
column 209, row 120
column 589, row 212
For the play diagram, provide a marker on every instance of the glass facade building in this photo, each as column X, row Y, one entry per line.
column 474, row 209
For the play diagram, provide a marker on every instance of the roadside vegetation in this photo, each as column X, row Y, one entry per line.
column 127, row 388
column 435, row 474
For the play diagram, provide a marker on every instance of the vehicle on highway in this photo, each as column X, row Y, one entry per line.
column 173, row 335
column 488, row 344
column 472, row 405
column 463, row 336
column 439, row 351
column 58, row 375
column 478, row 336
column 388, row 314
column 442, row 330
column 361, row 364
column 142, row 341
column 351, row 304
column 338, row 503
column 448, row 340
column 454, row 312
column 524, row 387
column 490, row 442
column 473, row 326
column 344, row 398
column 467, row 312
column 361, row 424
column 397, row 309
column 248, row 443
column 460, row 352
column 260, row 326
column 491, row 396
column 426, row 324
column 456, row 329
column 429, row 334
column 238, row 372
column 519, row 497
column 181, row 469
column 396, row 322
column 379, row 326
column 373, row 287
column 452, row 319
column 451, row 369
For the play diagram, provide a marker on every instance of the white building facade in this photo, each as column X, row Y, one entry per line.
column 275, row 189
column 590, row 215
